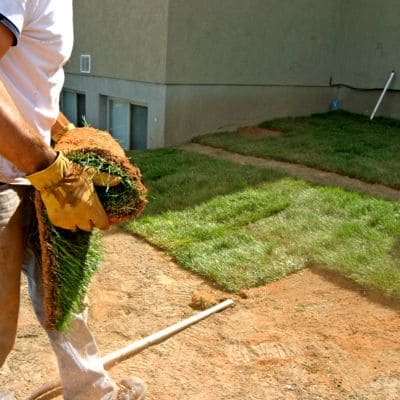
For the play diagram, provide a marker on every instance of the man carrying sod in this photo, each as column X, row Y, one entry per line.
column 35, row 42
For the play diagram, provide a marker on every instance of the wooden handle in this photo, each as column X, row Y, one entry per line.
column 53, row 389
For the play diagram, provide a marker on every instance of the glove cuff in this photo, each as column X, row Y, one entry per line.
column 51, row 175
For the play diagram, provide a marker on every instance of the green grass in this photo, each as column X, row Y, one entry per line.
column 349, row 144
column 120, row 200
column 243, row 226
column 77, row 255
column 178, row 179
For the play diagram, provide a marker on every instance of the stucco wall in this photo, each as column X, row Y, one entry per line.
column 368, row 43
column 363, row 102
column 194, row 110
column 261, row 42
column 253, row 42
column 127, row 39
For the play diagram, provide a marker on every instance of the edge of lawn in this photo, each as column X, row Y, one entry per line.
column 341, row 142
column 244, row 226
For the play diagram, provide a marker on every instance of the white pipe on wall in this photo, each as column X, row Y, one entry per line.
column 382, row 95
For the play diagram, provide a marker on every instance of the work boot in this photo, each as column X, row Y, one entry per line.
column 131, row 389
column 7, row 396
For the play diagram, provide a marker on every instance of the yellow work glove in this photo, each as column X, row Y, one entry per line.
column 68, row 193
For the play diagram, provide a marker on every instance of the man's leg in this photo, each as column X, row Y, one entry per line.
column 11, row 256
column 81, row 370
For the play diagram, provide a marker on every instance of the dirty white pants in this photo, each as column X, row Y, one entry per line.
column 81, row 371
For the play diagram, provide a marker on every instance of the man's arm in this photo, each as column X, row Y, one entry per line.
column 61, row 126
column 66, row 189
column 7, row 39
column 19, row 142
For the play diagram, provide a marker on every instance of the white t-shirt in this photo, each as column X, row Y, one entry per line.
column 32, row 70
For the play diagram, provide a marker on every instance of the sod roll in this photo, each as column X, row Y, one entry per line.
column 69, row 259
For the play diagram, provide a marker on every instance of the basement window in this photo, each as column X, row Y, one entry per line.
column 85, row 63
column 127, row 123
column 73, row 105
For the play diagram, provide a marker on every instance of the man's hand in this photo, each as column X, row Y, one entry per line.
column 60, row 127
column 69, row 196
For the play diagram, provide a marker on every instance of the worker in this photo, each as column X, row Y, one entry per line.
column 36, row 38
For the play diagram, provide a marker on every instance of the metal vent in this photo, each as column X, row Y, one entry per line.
column 86, row 63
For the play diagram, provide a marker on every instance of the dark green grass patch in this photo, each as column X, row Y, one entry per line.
column 349, row 144
column 245, row 232
column 178, row 179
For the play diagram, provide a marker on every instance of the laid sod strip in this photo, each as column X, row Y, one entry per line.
column 349, row 144
column 261, row 233
column 178, row 179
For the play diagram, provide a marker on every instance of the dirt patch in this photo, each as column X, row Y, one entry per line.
column 255, row 132
column 309, row 336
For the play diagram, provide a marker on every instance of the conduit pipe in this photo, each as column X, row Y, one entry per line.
column 389, row 81
column 54, row 389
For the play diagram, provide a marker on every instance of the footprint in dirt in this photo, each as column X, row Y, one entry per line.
column 245, row 353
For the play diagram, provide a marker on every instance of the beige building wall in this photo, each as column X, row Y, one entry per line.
column 234, row 62
column 368, row 43
column 252, row 42
column 194, row 110
column 127, row 39
column 363, row 102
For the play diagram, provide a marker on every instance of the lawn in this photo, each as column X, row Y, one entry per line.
column 349, row 144
column 243, row 226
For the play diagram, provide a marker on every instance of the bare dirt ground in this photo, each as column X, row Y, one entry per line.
column 310, row 336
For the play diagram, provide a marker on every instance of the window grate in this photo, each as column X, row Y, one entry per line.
column 73, row 105
column 86, row 63
column 127, row 123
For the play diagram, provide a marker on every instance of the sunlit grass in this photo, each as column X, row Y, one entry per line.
column 246, row 234
column 341, row 142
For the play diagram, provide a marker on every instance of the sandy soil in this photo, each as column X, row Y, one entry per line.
column 309, row 336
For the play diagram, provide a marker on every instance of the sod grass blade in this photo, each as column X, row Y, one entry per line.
column 121, row 200
column 77, row 256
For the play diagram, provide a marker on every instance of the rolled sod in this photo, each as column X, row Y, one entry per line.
column 69, row 259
